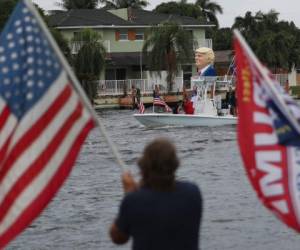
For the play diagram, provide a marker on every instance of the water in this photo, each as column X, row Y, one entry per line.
column 81, row 213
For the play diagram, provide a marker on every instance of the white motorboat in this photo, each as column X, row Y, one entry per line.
column 207, row 112
column 167, row 119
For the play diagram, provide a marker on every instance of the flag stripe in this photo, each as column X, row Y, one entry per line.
column 36, row 197
column 44, row 176
column 35, row 149
column 39, row 163
column 40, row 108
column 35, row 131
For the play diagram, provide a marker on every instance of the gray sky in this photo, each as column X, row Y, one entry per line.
column 289, row 9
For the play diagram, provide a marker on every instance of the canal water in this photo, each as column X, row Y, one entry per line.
column 82, row 211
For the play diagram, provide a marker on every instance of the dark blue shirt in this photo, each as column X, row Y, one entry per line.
column 162, row 220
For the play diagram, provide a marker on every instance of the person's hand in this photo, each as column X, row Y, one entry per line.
column 129, row 183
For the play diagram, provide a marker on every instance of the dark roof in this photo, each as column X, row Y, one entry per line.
column 85, row 17
column 102, row 17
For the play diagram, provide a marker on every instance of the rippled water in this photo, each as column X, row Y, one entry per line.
column 81, row 213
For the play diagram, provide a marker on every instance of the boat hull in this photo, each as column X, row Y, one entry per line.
column 160, row 120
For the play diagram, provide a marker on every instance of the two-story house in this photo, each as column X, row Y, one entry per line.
column 123, row 33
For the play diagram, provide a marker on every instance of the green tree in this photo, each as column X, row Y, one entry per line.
column 181, row 8
column 277, row 44
column 90, row 60
column 78, row 4
column 6, row 7
column 119, row 4
column 209, row 10
column 167, row 46
column 222, row 39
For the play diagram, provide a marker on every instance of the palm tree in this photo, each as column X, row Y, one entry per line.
column 78, row 4
column 167, row 46
column 119, row 4
column 90, row 60
column 209, row 10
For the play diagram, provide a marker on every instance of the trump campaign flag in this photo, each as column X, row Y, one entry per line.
column 268, row 136
column 43, row 121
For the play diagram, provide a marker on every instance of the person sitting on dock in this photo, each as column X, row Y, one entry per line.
column 161, row 213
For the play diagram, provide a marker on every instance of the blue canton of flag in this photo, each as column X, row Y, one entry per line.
column 286, row 133
column 43, row 122
column 27, row 63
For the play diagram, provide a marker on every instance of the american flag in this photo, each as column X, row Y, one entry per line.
column 159, row 102
column 141, row 108
column 43, row 123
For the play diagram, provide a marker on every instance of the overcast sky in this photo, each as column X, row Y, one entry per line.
column 289, row 9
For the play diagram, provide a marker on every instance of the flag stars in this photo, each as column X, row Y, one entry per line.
column 6, row 81
column 15, row 66
column 19, row 30
column 5, row 70
column 30, row 72
column 13, row 55
column 17, row 23
column 30, row 49
column 25, row 10
column 1, row 49
column 11, row 45
column 9, row 36
column 7, row 94
column 29, row 38
column 30, row 83
column 40, row 84
column 29, row 96
column 2, row 59
column 28, row 28
column 27, row 19
column 30, row 60
column 21, row 41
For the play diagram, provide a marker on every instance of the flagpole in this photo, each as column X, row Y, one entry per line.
column 269, row 81
column 76, row 84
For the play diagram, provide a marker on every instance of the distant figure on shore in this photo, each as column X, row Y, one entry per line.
column 160, row 213
column 133, row 96
column 231, row 101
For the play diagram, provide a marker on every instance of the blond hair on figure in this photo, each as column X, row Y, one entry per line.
column 208, row 52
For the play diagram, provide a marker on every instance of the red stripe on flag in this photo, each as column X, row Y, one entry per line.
column 4, row 116
column 33, row 133
column 39, row 164
column 37, row 206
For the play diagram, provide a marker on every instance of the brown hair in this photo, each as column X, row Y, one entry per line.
column 158, row 165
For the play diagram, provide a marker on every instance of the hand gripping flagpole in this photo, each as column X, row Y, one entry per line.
column 76, row 84
column 269, row 82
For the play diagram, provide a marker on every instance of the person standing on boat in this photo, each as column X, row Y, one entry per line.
column 161, row 213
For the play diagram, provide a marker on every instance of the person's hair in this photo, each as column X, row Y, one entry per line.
column 208, row 52
column 158, row 165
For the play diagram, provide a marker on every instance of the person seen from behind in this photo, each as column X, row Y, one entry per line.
column 159, row 213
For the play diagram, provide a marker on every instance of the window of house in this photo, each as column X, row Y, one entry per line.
column 139, row 35
column 123, row 35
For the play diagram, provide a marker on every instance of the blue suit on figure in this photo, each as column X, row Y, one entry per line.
column 209, row 71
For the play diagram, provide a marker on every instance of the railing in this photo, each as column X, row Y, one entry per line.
column 120, row 87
